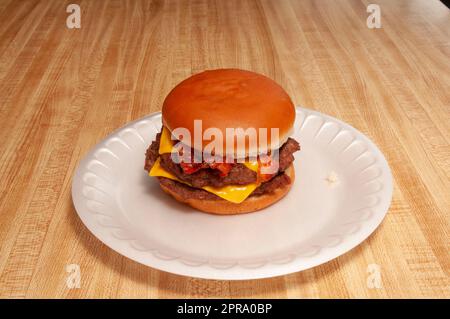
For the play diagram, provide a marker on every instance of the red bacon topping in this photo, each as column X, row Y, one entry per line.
column 190, row 168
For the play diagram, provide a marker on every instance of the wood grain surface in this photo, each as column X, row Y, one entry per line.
column 63, row 90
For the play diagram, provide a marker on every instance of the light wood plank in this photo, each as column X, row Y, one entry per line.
column 62, row 91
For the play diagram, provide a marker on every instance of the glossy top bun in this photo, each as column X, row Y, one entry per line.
column 230, row 98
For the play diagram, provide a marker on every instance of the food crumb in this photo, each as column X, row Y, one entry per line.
column 332, row 179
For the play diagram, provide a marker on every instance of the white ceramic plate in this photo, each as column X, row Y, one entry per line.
column 316, row 222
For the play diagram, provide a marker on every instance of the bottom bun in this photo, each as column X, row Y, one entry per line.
column 224, row 207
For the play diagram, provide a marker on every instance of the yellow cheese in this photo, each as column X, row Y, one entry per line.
column 157, row 170
column 165, row 143
column 233, row 193
column 253, row 165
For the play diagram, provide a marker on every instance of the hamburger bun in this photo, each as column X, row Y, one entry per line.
column 230, row 98
column 223, row 207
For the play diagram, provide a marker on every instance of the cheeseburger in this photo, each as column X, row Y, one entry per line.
column 224, row 145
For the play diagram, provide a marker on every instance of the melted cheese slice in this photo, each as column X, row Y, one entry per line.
column 253, row 165
column 233, row 193
column 165, row 143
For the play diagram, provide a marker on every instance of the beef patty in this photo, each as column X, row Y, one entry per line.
column 187, row 192
column 238, row 175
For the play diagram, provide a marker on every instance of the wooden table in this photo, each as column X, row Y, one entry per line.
column 62, row 90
